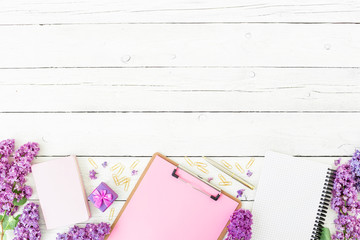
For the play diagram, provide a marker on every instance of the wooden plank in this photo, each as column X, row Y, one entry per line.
column 180, row 89
column 209, row 45
column 112, row 11
column 105, row 174
column 176, row 134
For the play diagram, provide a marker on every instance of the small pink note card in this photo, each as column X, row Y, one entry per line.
column 61, row 192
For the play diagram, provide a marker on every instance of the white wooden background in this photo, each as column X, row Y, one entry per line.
column 117, row 81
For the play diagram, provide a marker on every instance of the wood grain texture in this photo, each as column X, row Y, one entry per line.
column 177, row 134
column 208, row 11
column 194, row 45
column 105, row 174
column 180, row 89
column 117, row 81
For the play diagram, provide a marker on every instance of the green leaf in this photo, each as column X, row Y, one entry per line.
column 19, row 203
column 16, row 191
column 325, row 234
column 9, row 223
column 17, row 217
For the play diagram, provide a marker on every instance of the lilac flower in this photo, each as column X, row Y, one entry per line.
column 22, row 164
column 345, row 203
column 104, row 164
column 28, row 226
column 337, row 162
column 7, row 147
column 90, row 232
column 210, row 179
column 134, row 172
column 240, row 225
column 348, row 227
column 240, row 193
column 344, row 200
column 92, row 174
column 249, row 173
column 13, row 174
column 355, row 168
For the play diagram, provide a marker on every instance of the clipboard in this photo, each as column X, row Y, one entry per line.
column 171, row 202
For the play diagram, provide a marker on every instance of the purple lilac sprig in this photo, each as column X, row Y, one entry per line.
column 355, row 168
column 348, row 228
column 240, row 225
column 337, row 162
column 13, row 191
column 346, row 204
column 92, row 174
column 28, row 226
column 89, row 232
column 344, row 200
column 240, row 193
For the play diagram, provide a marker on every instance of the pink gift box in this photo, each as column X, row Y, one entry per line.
column 102, row 197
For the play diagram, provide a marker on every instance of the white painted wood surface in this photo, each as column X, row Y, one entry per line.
column 181, row 89
column 138, row 11
column 117, row 81
column 200, row 45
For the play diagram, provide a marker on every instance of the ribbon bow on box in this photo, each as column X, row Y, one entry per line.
column 100, row 197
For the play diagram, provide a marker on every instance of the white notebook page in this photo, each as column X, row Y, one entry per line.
column 287, row 198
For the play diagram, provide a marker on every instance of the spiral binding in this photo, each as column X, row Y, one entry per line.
column 324, row 204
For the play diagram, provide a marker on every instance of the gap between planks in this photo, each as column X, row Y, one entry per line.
column 181, row 67
column 198, row 156
column 177, row 112
column 176, row 23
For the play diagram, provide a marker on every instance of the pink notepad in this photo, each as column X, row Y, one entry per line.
column 163, row 207
column 61, row 192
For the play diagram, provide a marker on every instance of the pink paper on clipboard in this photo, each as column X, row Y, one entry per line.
column 165, row 207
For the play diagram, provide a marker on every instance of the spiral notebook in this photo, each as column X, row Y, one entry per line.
column 292, row 198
